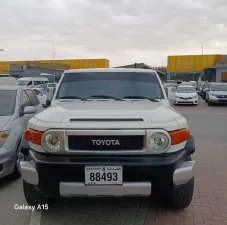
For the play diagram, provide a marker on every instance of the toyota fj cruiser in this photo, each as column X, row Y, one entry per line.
column 109, row 132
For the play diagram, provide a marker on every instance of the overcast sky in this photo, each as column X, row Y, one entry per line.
column 122, row 31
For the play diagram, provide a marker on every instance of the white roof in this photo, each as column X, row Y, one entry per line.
column 33, row 78
column 111, row 70
column 186, row 86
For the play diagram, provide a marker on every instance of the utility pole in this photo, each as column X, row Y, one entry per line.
column 202, row 50
column 54, row 53
column 1, row 50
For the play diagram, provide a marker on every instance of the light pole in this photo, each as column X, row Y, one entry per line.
column 202, row 50
column 54, row 53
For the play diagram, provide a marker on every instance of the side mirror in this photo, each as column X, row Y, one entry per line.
column 29, row 110
column 48, row 103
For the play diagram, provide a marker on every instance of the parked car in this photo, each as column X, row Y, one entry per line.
column 170, row 81
column 17, row 106
column 185, row 84
column 204, row 89
column 186, row 94
column 109, row 132
column 32, row 81
column 217, row 94
column 45, row 86
column 199, row 86
column 41, row 96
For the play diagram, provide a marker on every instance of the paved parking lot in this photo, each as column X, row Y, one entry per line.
column 209, row 205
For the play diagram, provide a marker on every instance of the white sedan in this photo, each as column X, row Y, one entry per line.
column 186, row 94
column 41, row 96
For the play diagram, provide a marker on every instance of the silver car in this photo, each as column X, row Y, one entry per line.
column 17, row 106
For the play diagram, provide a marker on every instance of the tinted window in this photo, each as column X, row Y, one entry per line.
column 116, row 84
column 37, row 92
column 23, row 82
column 24, row 100
column 186, row 89
column 29, row 83
column 219, row 87
column 33, row 98
column 37, row 82
column 7, row 102
column 42, row 86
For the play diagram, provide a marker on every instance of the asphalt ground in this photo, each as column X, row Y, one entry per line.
column 209, row 205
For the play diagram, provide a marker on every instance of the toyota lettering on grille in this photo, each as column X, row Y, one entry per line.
column 105, row 142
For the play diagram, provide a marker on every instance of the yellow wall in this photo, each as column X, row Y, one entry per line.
column 58, row 64
column 190, row 63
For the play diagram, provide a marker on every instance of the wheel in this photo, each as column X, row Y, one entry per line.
column 206, row 100
column 33, row 197
column 209, row 103
column 181, row 196
column 19, row 157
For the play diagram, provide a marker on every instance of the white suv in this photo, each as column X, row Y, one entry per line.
column 109, row 132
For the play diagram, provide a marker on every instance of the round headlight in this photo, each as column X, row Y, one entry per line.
column 52, row 142
column 159, row 142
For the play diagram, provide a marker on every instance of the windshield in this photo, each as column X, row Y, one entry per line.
column 23, row 82
column 7, row 102
column 186, row 89
column 114, row 84
column 219, row 87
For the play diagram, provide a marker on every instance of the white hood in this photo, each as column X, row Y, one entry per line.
column 64, row 111
column 186, row 95
column 219, row 92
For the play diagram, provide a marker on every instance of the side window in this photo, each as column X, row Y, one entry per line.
column 37, row 82
column 37, row 92
column 29, row 83
column 33, row 98
column 24, row 100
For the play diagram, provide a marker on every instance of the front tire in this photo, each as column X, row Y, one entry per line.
column 19, row 156
column 181, row 197
column 33, row 197
column 209, row 103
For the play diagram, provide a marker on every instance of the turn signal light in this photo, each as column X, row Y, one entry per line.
column 33, row 136
column 179, row 136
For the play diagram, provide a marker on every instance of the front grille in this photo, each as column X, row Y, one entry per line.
column 185, row 102
column 106, row 143
column 222, row 100
column 185, row 97
column 221, row 96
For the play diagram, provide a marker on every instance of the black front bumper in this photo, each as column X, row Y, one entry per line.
column 158, row 169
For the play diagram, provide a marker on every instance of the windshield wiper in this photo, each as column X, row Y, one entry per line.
column 103, row 97
column 140, row 97
column 72, row 97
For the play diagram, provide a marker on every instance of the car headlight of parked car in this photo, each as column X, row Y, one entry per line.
column 194, row 96
column 212, row 94
column 3, row 136
column 52, row 142
column 159, row 142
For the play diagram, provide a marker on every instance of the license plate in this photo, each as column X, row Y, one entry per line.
column 103, row 175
